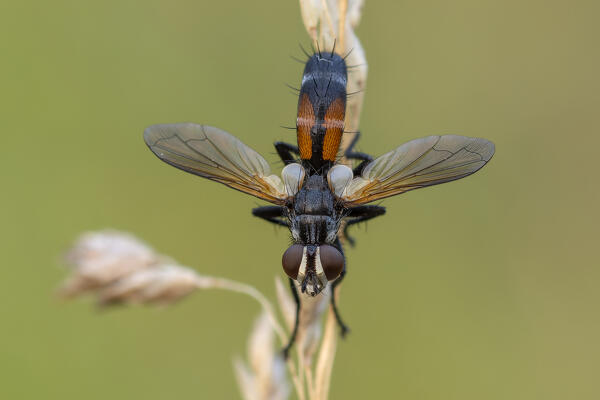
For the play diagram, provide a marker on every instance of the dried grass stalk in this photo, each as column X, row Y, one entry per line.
column 287, row 306
column 265, row 376
column 98, row 259
column 118, row 268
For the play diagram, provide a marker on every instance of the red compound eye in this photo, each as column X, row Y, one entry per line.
column 332, row 261
column 291, row 260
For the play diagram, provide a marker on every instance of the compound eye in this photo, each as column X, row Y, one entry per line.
column 291, row 260
column 332, row 261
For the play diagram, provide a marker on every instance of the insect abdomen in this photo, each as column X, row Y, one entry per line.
column 321, row 109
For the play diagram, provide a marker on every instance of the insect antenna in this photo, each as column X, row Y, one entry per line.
column 333, row 49
column 319, row 50
column 287, row 127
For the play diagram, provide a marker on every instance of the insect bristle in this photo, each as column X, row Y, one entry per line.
column 292, row 87
column 350, row 67
column 348, row 54
column 304, row 51
column 354, row 93
column 298, row 60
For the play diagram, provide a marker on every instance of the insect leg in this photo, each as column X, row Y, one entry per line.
column 273, row 214
column 343, row 327
column 285, row 151
column 360, row 214
column 357, row 155
column 286, row 349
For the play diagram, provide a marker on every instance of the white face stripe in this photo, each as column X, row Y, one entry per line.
column 302, row 270
column 318, row 267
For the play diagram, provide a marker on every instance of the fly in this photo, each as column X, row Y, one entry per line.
column 317, row 197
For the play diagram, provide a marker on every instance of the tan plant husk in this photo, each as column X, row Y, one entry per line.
column 117, row 267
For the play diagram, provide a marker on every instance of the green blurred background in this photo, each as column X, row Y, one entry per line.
column 480, row 289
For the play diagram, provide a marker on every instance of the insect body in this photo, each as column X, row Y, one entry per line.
column 316, row 197
column 315, row 216
column 321, row 111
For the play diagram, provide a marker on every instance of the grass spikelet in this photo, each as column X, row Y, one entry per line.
column 116, row 267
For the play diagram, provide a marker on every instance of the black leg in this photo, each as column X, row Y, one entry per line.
column 285, row 151
column 360, row 214
column 359, row 168
column 352, row 144
column 357, row 155
column 274, row 214
column 286, row 349
column 343, row 327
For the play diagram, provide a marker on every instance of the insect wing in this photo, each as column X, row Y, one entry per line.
column 217, row 155
column 419, row 163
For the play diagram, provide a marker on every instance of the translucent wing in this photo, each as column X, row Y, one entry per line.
column 419, row 163
column 215, row 154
